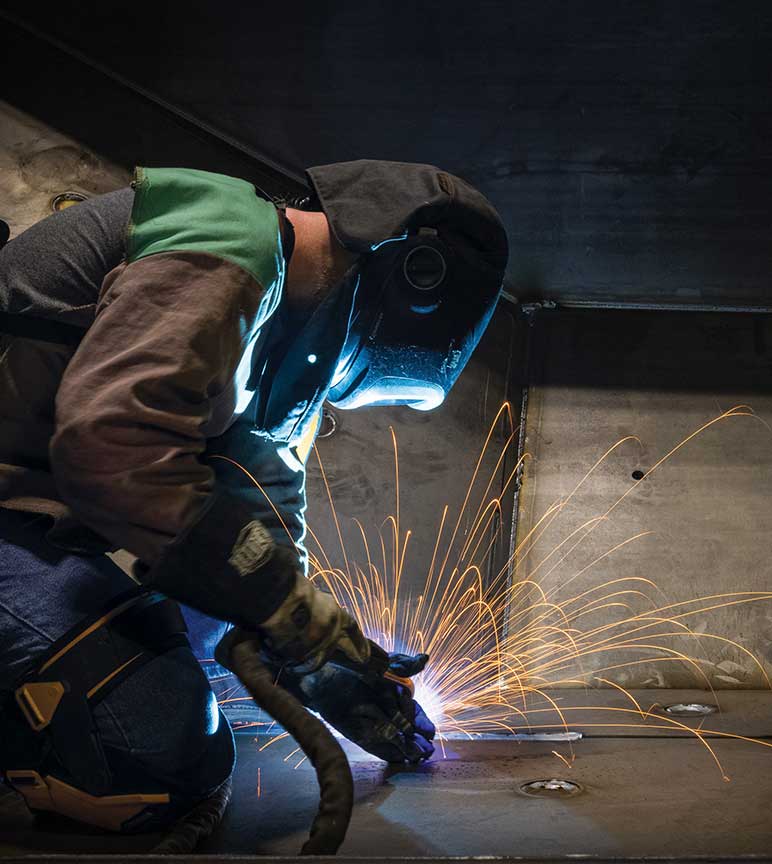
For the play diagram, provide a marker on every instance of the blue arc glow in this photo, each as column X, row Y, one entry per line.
column 212, row 715
column 376, row 246
column 429, row 701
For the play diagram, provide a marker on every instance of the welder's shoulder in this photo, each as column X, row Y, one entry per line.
column 186, row 210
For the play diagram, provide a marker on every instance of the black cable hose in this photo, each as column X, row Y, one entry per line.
column 333, row 772
column 196, row 825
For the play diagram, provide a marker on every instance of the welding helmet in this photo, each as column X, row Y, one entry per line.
column 432, row 254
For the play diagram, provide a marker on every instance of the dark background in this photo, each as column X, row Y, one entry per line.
column 627, row 144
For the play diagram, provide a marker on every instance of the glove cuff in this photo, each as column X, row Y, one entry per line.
column 309, row 627
column 226, row 565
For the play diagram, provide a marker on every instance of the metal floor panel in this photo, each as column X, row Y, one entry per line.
column 663, row 797
column 600, row 713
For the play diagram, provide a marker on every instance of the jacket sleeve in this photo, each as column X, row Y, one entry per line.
column 267, row 476
column 169, row 332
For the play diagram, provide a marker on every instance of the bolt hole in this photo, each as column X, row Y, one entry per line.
column 638, row 475
column 65, row 200
column 689, row 709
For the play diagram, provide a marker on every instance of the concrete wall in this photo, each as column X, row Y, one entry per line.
column 38, row 162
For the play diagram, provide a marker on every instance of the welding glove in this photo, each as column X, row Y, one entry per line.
column 227, row 565
column 310, row 628
column 375, row 712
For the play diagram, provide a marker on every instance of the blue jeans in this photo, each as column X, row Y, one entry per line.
column 165, row 716
column 236, row 704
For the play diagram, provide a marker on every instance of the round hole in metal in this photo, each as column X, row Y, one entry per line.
column 553, row 788
column 66, row 199
column 638, row 475
column 328, row 425
column 689, row 709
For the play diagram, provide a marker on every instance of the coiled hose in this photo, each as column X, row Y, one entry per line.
column 333, row 772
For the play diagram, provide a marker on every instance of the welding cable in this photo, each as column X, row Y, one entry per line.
column 196, row 825
column 333, row 772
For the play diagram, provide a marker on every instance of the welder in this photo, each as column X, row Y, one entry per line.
column 159, row 345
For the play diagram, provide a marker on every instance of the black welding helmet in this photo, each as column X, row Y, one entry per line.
column 432, row 257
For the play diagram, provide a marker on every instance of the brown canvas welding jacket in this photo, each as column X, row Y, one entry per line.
column 116, row 435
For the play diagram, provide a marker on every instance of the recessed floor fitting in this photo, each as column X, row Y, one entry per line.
column 551, row 788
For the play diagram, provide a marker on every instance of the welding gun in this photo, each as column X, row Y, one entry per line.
column 372, row 706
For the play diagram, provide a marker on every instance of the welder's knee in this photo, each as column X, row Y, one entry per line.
column 164, row 722
column 151, row 747
column 164, row 743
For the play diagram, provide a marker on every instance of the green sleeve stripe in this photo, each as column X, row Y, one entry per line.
column 185, row 210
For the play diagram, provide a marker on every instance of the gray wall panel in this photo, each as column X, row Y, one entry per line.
column 438, row 451
column 600, row 377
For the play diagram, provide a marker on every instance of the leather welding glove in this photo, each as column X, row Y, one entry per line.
column 228, row 566
column 375, row 712
column 310, row 628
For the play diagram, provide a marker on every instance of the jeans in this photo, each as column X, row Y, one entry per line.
column 165, row 716
column 237, row 705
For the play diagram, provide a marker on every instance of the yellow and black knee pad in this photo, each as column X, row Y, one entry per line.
column 52, row 753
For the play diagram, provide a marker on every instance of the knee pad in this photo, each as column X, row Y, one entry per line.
column 90, row 732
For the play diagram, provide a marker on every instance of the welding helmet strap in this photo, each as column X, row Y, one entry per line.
column 56, row 699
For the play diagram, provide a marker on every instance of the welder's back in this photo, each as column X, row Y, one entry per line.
column 54, row 271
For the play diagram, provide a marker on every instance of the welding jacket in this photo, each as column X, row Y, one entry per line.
column 122, row 436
